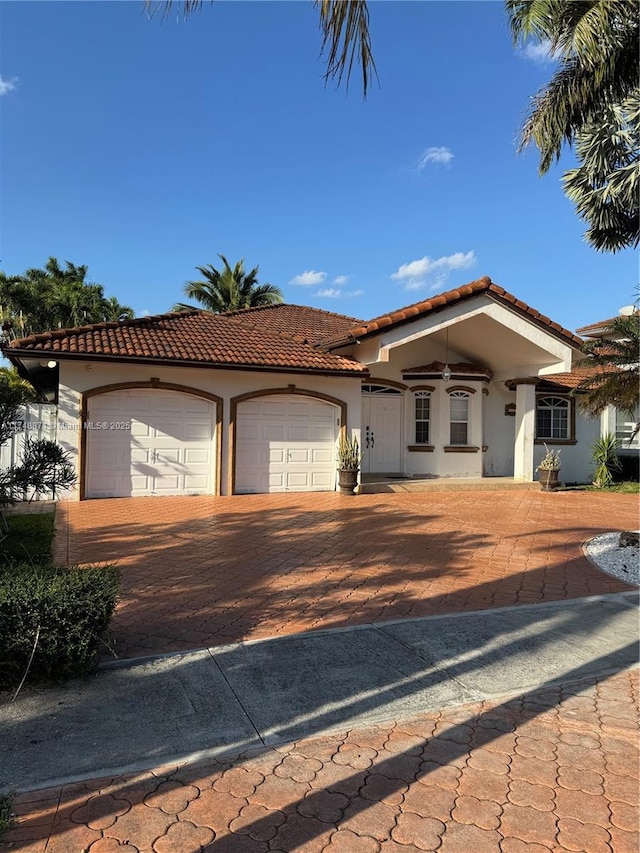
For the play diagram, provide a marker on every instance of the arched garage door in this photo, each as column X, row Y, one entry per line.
column 285, row 443
column 144, row 442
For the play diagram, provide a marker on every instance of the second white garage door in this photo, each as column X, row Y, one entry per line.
column 149, row 442
column 286, row 444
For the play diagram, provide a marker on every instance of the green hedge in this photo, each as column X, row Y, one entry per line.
column 72, row 606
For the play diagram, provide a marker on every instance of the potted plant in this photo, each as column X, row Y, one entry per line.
column 548, row 469
column 348, row 458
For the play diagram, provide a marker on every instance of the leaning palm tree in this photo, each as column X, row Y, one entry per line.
column 614, row 378
column 229, row 289
column 595, row 43
column 605, row 187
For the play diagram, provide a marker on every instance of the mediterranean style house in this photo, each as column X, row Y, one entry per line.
column 468, row 383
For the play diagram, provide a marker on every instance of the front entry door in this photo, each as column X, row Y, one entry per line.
column 381, row 430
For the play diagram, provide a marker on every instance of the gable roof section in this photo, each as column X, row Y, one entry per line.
column 311, row 324
column 443, row 300
column 196, row 338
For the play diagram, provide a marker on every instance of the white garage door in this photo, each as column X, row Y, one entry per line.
column 149, row 442
column 286, row 444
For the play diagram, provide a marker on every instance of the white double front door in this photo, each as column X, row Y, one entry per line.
column 381, row 430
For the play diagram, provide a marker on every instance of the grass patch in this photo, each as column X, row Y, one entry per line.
column 6, row 818
column 627, row 488
column 29, row 538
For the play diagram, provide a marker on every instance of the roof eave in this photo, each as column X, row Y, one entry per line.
column 14, row 355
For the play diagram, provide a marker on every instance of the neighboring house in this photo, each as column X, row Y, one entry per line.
column 468, row 383
column 613, row 420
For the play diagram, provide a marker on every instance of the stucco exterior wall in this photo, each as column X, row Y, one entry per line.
column 78, row 377
column 575, row 458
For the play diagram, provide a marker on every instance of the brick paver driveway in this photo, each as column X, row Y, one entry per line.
column 205, row 571
column 553, row 771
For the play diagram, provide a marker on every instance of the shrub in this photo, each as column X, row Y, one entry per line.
column 68, row 609
column 604, row 455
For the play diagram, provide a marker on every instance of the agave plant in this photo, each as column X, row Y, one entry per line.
column 349, row 455
column 604, row 455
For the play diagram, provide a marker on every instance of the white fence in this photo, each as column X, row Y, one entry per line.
column 35, row 420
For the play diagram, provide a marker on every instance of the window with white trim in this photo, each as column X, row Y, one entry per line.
column 552, row 418
column 423, row 416
column 459, row 418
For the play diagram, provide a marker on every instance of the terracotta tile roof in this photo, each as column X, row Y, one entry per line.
column 573, row 379
column 458, row 368
column 435, row 303
column 192, row 337
column 596, row 330
column 600, row 326
column 312, row 324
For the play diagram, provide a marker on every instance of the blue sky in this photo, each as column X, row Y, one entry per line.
column 144, row 148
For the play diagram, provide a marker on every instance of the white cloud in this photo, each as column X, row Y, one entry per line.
column 415, row 275
column 341, row 279
column 442, row 156
column 7, row 85
column 337, row 293
column 538, row 52
column 309, row 277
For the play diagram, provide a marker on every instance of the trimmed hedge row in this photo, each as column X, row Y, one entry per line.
column 71, row 606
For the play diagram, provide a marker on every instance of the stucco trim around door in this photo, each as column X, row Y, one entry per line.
column 152, row 384
column 268, row 392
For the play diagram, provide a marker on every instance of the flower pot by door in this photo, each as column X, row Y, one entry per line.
column 347, row 481
column 548, row 479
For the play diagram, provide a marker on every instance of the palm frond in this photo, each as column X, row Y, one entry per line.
column 346, row 39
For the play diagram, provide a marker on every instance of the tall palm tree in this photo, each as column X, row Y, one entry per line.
column 229, row 289
column 595, row 43
column 615, row 360
column 605, row 187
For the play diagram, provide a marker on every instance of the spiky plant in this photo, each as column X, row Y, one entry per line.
column 604, row 455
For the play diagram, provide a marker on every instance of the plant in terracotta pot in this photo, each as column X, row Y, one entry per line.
column 548, row 470
column 349, row 457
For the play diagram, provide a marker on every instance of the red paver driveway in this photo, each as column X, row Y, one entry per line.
column 552, row 771
column 204, row 571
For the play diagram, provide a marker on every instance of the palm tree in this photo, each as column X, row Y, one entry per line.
column 605, row 188
column 615, row 380
column 344, row 25
column 114, row 311
column 53, row 297
column 10, row 376
column 595, row 43
column 229, row 289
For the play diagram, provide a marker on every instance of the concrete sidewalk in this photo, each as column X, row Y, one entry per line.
column 229, row 699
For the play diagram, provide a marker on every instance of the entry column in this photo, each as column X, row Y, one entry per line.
column 525, row 429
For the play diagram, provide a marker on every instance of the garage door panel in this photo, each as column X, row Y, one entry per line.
column 285, row 444
column 274, row 432
column 298, row 480
column 299, row 454
column 169, row 449
column 273, row 408
column 321, row 455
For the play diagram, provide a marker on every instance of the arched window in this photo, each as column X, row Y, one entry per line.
column 379, row 389
column 552, row 418
column 459, row 418
column 422, row 416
